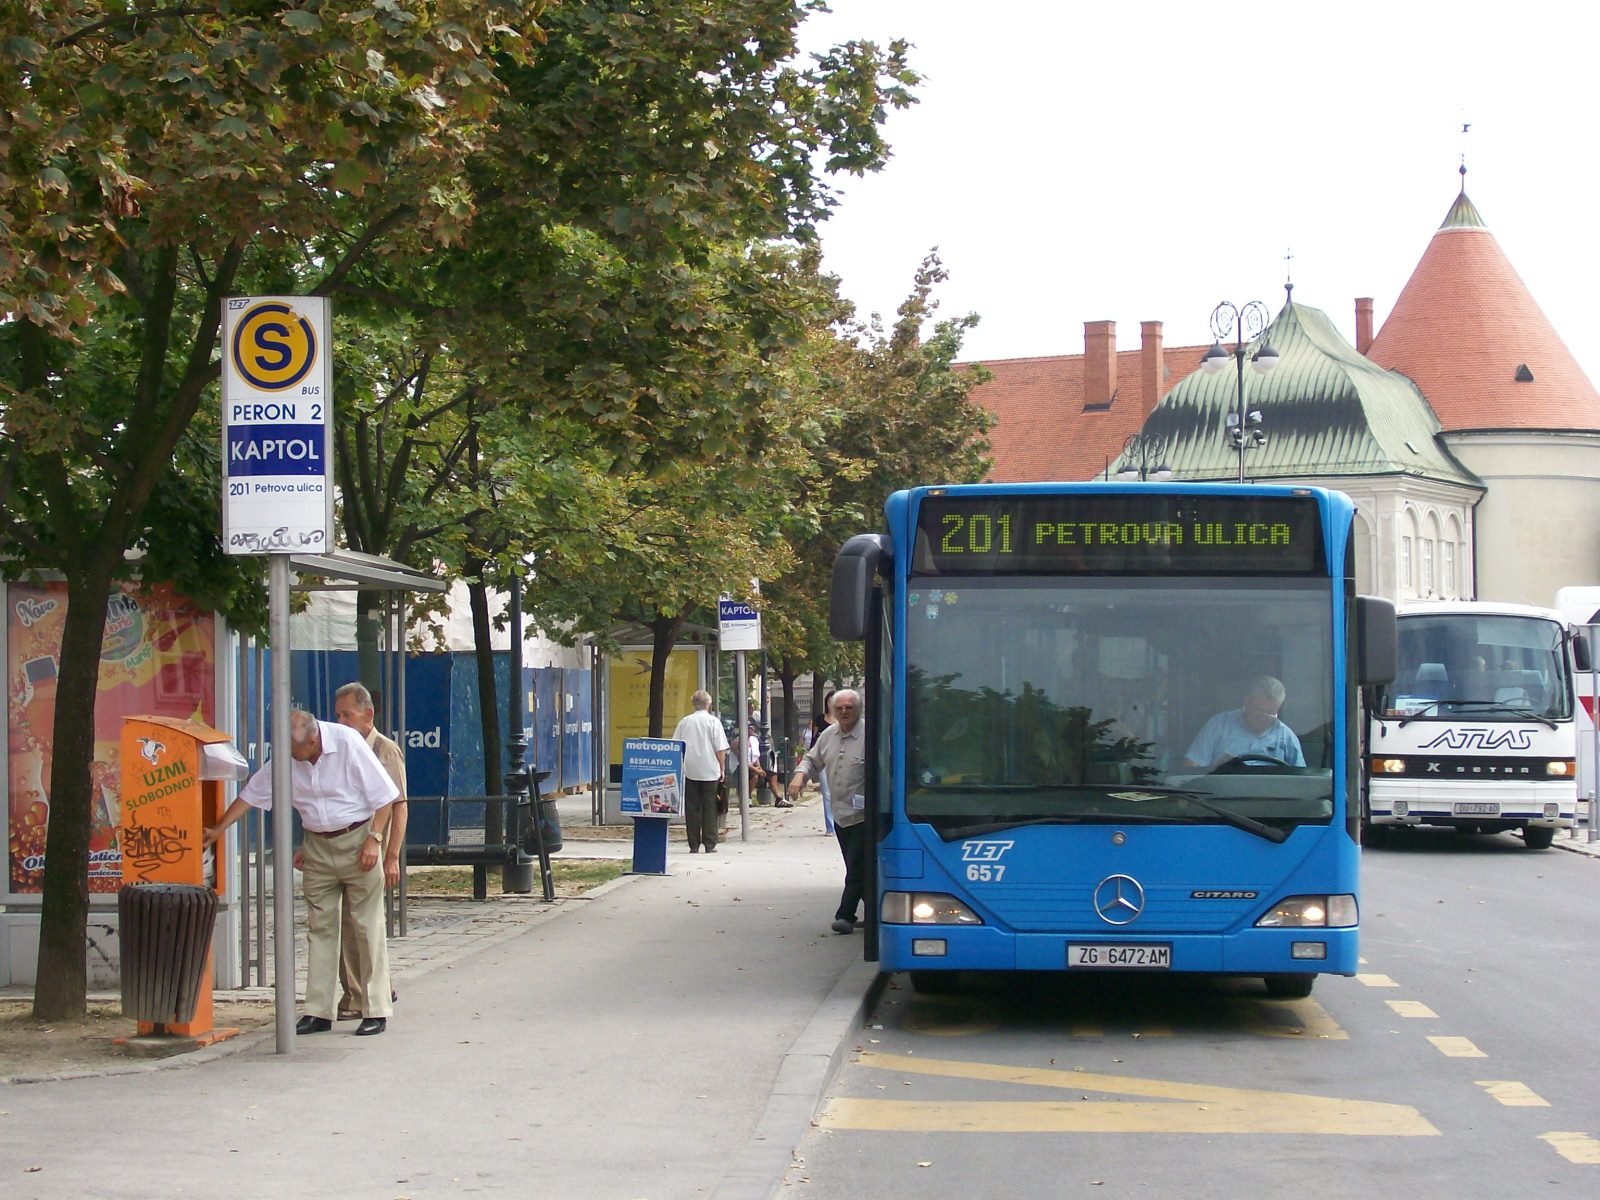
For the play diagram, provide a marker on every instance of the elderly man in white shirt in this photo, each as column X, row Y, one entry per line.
column 343, row 796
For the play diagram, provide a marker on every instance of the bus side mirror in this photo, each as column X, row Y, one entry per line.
column 1377, row 641
column 1582, row 656
column 855, row 573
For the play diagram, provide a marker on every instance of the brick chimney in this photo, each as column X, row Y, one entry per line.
column 1099, row 363
column 1152, row 367
column 1363, row 323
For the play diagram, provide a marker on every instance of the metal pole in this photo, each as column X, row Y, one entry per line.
column 241, row 702
column 1594, row 746
column 257, row 820
column 282, row 805
column 397, row 706
column 1238, row 358
column 741, row 737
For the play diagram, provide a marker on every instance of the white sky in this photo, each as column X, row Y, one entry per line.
column 1077, row 161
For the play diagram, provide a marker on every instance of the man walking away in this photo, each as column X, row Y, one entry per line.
column 705, row 757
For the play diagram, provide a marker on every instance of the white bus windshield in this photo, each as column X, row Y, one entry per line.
column 1171, row 700
column 1491, row 667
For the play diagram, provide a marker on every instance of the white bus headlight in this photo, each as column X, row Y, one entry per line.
column 1560, row 768
column 925, row 908
column 1388, row 766
column 1306, row 912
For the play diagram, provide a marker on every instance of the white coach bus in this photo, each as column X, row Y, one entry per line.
column 1479, row 730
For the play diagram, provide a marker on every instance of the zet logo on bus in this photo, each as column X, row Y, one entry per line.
column 273, row 346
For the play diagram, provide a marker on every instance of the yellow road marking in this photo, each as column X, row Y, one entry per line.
column 1577, row 1148
column 1457, row 1047
column 1411, row 1008
column 1512, row 1094
column 1294, row 1019
column 1177, row 1107
column 1376, row 980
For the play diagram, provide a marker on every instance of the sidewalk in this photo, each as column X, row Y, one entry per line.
column 660, row 1037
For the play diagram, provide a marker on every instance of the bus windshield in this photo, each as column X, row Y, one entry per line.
column 1118, row 700
column 1489, row 667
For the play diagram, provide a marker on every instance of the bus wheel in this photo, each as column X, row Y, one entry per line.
column 1538, row 837
column 934, row 983
column 1289, row 987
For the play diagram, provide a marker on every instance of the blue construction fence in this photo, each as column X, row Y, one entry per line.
column 443, row 739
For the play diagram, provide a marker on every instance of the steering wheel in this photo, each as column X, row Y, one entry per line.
column 1240, row 764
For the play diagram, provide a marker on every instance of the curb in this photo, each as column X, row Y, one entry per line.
column 757, row 1171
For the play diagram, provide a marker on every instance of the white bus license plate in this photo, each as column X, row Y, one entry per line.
column 1477, row 810
column 1114, row 955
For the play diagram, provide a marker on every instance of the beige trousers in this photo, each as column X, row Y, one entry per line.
column 332, row 882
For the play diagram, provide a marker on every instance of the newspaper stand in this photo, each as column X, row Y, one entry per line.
column 652, row 794
column 172, row 776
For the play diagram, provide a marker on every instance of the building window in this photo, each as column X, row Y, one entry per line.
column 1426, row 546
column 1447, row 569
column 1406, row 586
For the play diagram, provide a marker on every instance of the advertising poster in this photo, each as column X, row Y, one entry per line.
column 628, row 685
column 158, row 657
column 652, row 769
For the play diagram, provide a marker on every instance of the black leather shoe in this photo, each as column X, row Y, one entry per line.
column 370, row 1026
column 313, row 1025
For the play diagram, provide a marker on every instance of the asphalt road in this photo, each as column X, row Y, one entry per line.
column 1461, row 1063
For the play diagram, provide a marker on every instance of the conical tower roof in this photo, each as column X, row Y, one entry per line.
column 1467, row 331
column 1327, row 412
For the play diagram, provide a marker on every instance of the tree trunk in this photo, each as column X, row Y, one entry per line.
column 488, row 707
column 60, row 992
column 663, row 637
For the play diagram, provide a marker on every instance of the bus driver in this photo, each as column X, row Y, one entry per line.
column 1253, row 729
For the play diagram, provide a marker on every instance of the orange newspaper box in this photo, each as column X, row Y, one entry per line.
column 172, row 776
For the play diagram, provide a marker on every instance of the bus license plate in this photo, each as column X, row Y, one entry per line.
column 1477, row 810
column 1113, row 956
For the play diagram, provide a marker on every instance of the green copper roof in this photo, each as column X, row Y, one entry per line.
column 1463, row 214
column 1327, row 412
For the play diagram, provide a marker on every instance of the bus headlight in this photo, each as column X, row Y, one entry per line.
column 925, row 908
column 1388, row 766
column 1305, row 912
column 1560, row 768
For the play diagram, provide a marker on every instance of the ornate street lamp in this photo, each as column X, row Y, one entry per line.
column 1144, row 457
column 1241, row 326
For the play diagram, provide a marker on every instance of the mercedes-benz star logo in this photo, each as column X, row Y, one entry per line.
column 1119, row 899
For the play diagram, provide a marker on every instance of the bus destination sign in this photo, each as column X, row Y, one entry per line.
column 1101, row 533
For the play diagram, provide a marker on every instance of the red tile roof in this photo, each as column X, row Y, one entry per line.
column 1464, row 326
column 1047, row 429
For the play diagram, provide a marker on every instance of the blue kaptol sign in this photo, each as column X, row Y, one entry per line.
column 276, row 450
column 735, row 610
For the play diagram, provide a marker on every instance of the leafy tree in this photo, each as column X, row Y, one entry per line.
column 901, row 415
column 153, row 161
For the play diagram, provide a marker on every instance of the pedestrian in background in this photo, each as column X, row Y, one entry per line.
column 343, row 797
column 705, row 758
column 841, row 752
column 353, row 707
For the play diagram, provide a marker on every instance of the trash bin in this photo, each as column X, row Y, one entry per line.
column 165, row 929
column 550, row 822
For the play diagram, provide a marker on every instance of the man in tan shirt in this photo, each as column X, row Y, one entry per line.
column 353, row 707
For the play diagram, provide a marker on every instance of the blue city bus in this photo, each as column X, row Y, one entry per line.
column 1042, row 661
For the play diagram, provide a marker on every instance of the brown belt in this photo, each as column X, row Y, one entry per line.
column 337, row 832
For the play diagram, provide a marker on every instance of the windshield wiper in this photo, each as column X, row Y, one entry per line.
column 966, row 831
column 1481, row 706
column 1238, row 820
